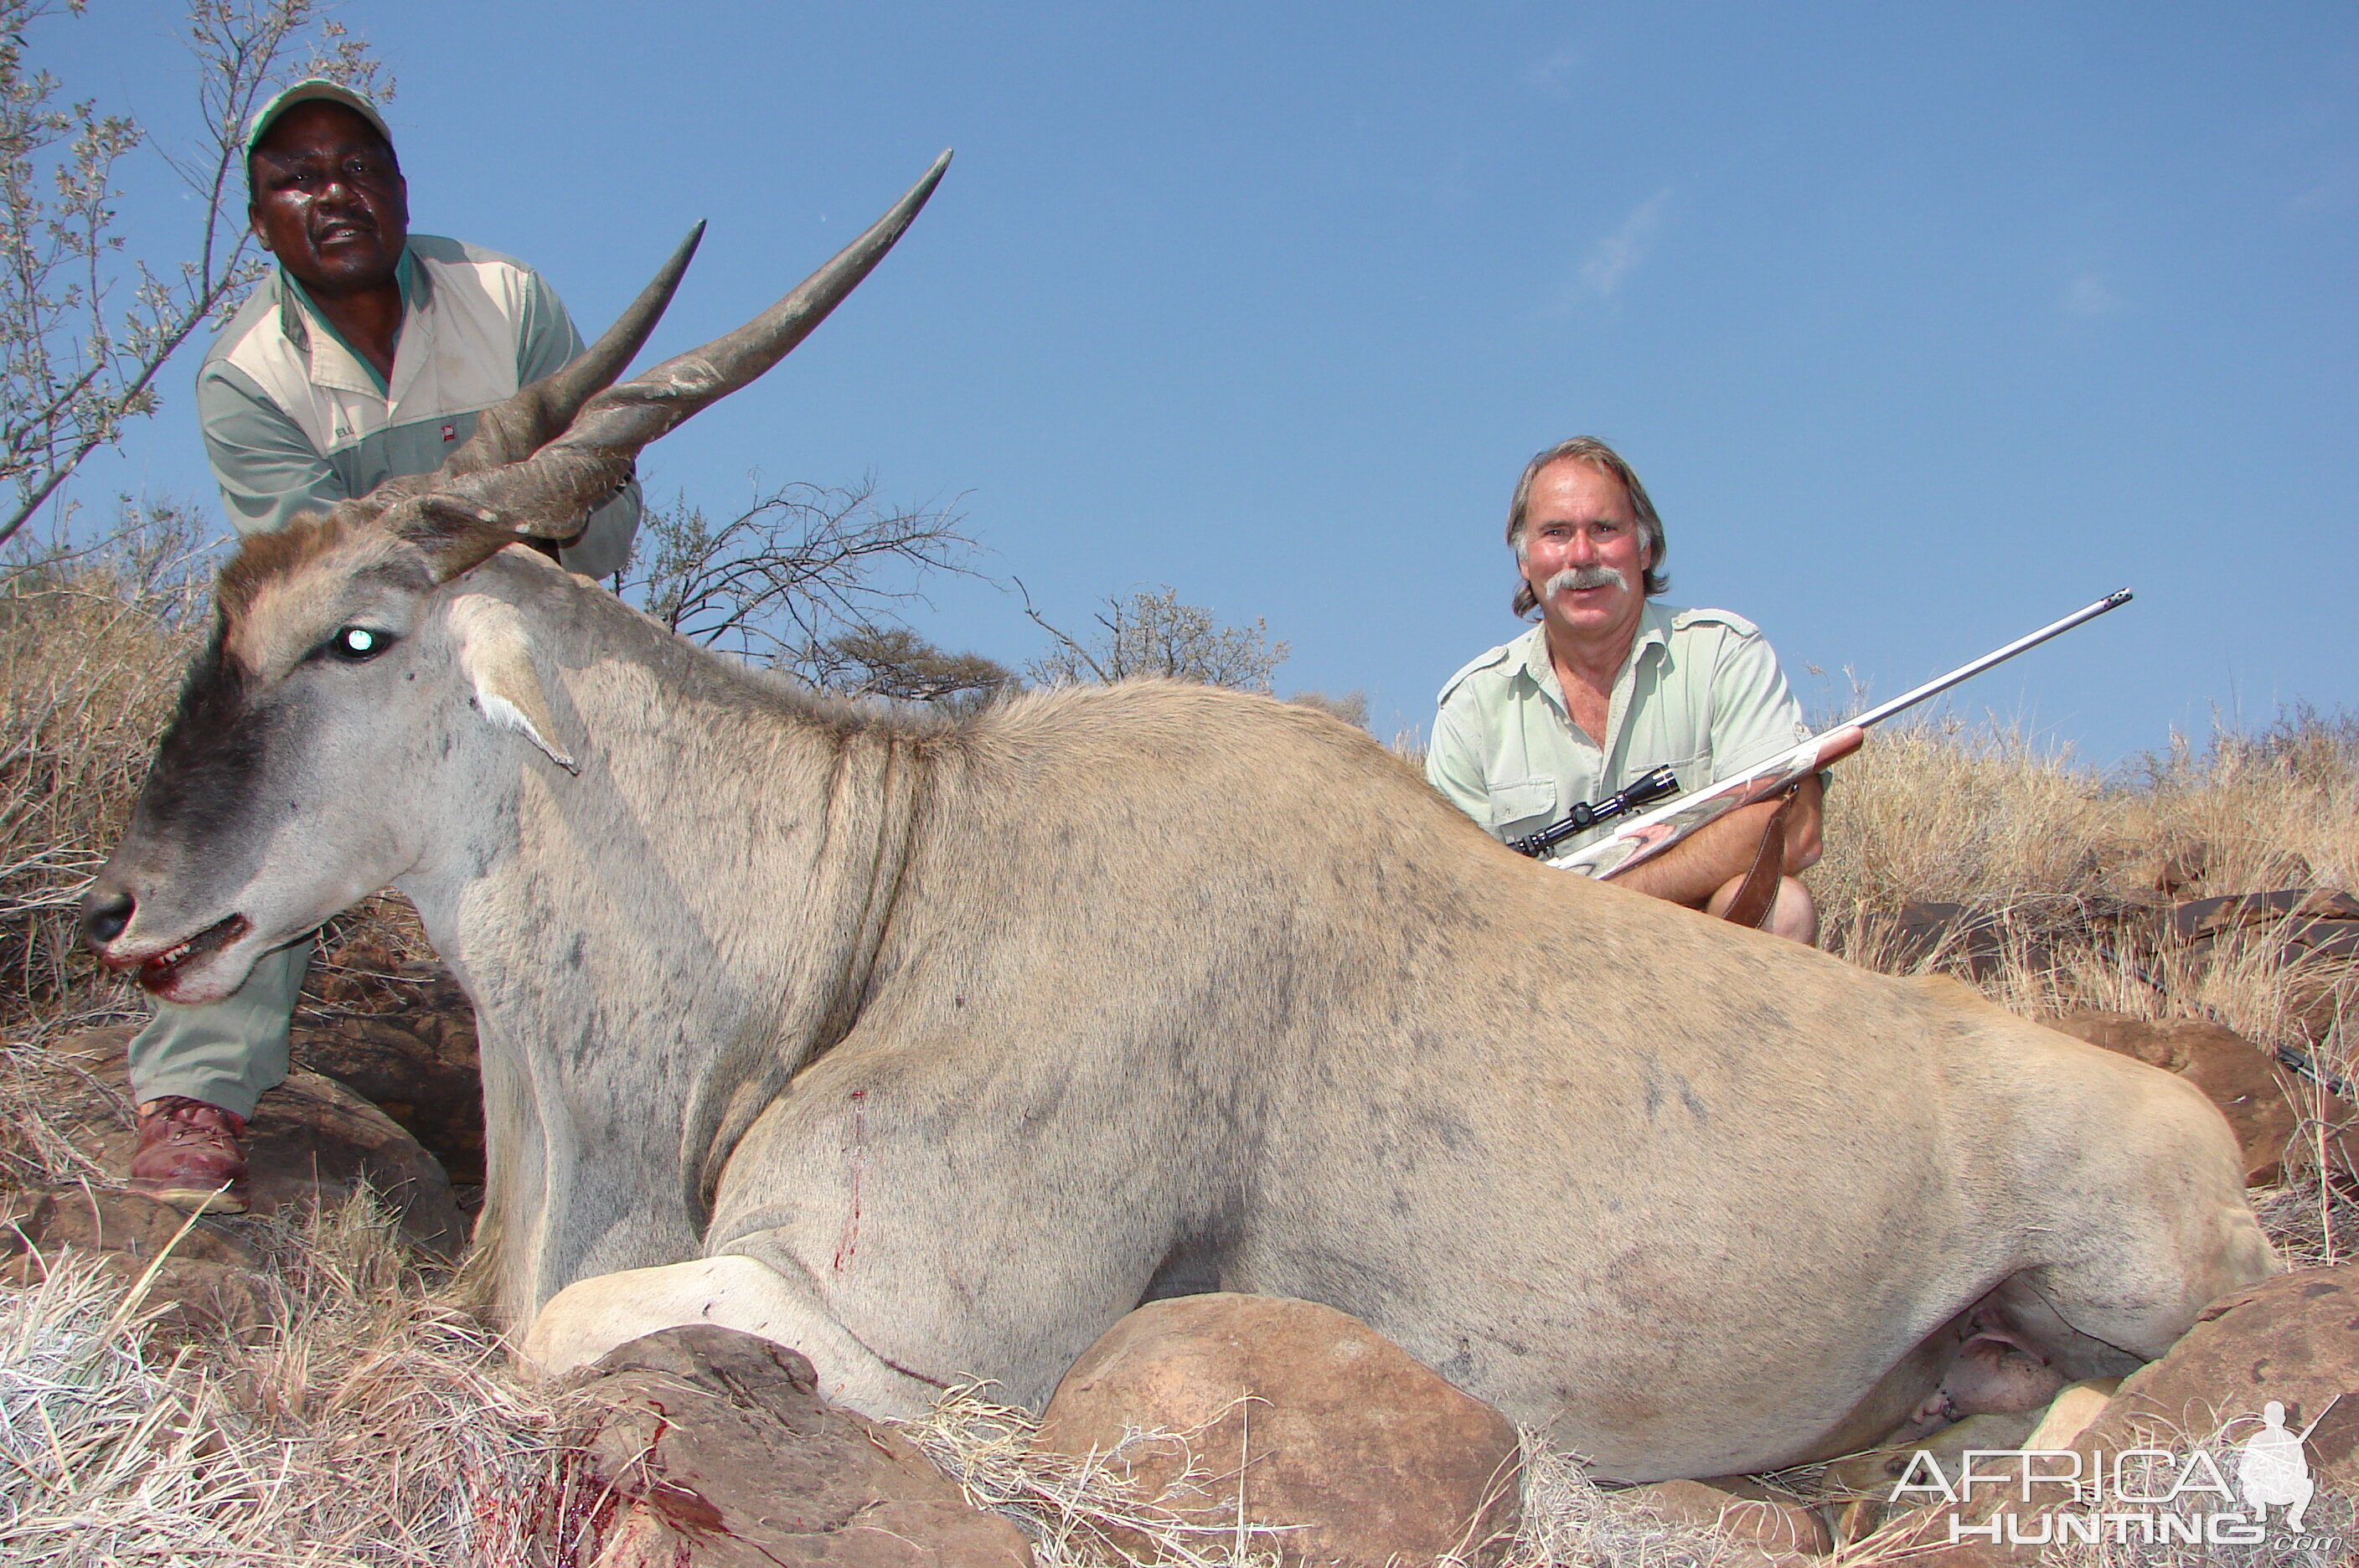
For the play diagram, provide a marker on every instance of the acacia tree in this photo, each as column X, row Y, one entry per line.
column 84, row 326
column 1154, row 634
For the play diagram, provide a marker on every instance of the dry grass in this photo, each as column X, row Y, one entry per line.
column 1986, row 815
column 380, row 1425
column 373, row 1425
column 86, row 678
column 1084, row 1512
column 2063, row 868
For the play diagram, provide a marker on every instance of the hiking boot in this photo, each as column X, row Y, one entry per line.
column 187, row 1156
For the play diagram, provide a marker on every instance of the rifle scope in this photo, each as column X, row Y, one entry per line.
column 1662, row 781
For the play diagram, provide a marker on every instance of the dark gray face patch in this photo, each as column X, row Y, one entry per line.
column 210, row 766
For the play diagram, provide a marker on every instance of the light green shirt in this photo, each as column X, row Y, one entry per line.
column 1700, row 691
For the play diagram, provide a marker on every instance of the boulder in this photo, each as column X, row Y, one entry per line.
column 402, row 1036
column 2071, row 1412
column 719, row 1452
column 182, row 1294
column 310, row 1140
column 2240, row 1078
column 2294, row 1339
column 2304, row 922
column 1299, row 1418
column 129, row 1222
column 206, row 1279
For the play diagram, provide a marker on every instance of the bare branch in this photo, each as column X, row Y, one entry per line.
column 74, row 369
column 1073, row 651
column 786, row 580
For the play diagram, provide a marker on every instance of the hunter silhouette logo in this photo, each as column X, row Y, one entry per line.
column 2273, row 1469
column 2149, row 1496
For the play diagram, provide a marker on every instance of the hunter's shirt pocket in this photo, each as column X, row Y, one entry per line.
column 1523, row 807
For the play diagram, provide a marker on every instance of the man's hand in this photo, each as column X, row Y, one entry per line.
column 1714, row 858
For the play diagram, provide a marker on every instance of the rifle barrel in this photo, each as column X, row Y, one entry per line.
column 1882, row 711
column 1644, row 837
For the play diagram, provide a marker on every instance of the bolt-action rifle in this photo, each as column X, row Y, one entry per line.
column 1644, row 837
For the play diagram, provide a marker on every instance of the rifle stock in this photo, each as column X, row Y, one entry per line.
column 1642, row 838
column 1648, row 836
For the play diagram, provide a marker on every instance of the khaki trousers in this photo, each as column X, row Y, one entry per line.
column 226, row 1052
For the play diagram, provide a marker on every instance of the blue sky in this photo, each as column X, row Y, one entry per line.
column 1924, row 325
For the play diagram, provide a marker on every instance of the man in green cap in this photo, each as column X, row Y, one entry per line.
column 1611, row 685
column 366, row 355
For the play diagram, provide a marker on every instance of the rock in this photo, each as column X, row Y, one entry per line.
column 183, row 1294
column 2294, row 1339
column 401, row 1036
column 129, row 1222
column 2236, row 1076
column 1781, row 1530
column 1371, row 1456
column 2071, row 1411
column 203, row 1281
column 1954, row 935
column 2302, row 921
column 310, row 1140
column 20, row 1221
column 313, row 1140
column 722, row 1453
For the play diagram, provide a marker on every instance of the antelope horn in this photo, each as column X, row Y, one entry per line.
column 512, row 430
column 543, row 495
column 525, row 423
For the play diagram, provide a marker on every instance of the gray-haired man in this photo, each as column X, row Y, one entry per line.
column 367, row 355
column 1610, row 686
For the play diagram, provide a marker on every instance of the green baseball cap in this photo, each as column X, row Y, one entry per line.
column 317, row 90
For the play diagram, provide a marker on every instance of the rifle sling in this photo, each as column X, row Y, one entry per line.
column 1758, row 893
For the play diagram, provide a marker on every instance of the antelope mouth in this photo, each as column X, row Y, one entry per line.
column 156, row 974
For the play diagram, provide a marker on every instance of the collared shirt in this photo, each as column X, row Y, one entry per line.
column 1700, row 691
column 295, row 421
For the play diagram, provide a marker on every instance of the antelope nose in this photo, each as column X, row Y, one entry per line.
column 104, row 914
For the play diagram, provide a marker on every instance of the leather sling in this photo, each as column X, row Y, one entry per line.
column 1758, row 893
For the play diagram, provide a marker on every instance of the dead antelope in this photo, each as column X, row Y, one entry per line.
column 932, row 1048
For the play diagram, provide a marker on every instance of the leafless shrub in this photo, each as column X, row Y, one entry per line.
column 1154, row 634
column 805, row 578
column 896, row 663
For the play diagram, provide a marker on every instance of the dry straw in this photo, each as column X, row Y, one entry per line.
column 373, row 1425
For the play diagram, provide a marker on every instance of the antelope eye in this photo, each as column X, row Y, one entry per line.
column 355, row 645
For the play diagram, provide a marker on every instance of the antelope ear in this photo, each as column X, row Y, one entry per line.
column 498, row 658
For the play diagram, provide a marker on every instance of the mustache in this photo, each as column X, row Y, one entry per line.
column 1597, row 575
